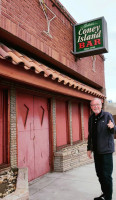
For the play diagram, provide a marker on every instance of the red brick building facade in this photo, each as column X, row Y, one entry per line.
column 44, row 90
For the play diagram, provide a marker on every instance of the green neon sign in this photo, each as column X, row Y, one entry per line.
column 90, row 38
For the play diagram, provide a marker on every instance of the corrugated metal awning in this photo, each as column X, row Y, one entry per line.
column 19, row 58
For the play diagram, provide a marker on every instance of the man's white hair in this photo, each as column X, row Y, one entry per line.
column 95, row 99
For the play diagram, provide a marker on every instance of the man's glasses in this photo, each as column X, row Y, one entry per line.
column 94, row 105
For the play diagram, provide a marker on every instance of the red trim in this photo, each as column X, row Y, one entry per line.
column 20, row 74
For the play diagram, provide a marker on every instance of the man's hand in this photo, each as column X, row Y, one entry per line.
column 89, row 154
column 110, row 124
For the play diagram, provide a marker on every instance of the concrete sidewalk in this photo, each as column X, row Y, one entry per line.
column 77, row 184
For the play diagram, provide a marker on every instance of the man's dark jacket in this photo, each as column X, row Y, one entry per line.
column 105, row 135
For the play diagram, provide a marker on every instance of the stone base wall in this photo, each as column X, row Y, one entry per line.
column 22, row 190
column 71, row 157
column 8, row 181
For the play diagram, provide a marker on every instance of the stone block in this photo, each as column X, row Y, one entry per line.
column 22, row 191
column 71, row 157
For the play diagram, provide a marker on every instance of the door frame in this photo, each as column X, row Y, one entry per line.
column 48, row 96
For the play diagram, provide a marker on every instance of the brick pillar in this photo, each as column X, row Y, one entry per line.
column 53, row 103
column 13, row 138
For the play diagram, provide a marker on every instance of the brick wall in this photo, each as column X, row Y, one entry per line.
column 26, row 20
column 71, row 157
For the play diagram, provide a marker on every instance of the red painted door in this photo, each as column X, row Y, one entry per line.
column 33, row 134
column 41, row 131
column 86, row 112
column 62, row 132
column 1, row 127
column 76, row 122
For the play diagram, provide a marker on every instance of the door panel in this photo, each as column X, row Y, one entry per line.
column 1, row 127
column 76, row 122
column 86, row 109
column 33, row 129
column 62, row 134
column 25, row 132
column 25, row 153
column 41, row 130
column 25, row 112
column 41, row 153
column 40, row 113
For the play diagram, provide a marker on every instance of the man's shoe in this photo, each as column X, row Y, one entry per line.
column 100, row 197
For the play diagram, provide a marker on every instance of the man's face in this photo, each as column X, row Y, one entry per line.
column 96, row 106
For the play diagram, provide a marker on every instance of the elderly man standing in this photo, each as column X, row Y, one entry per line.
column 101, row 143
